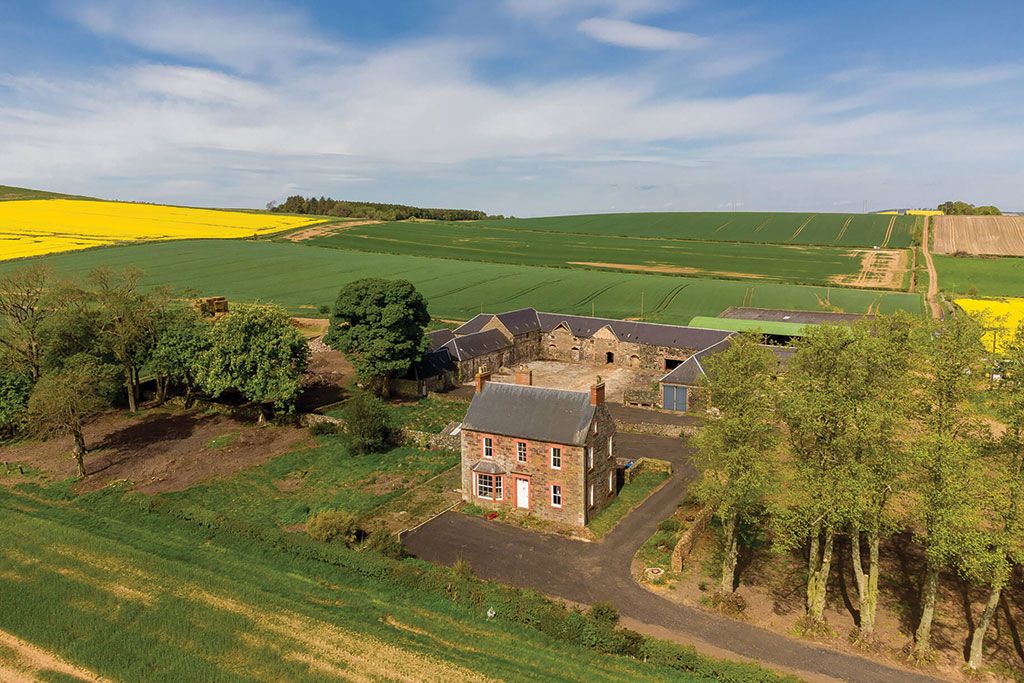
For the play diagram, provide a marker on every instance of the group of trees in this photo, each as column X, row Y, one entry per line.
column 325, row 206
column 70, row 349
column 870, row 432
column 959, row 208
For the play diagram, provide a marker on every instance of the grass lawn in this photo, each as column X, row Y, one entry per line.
column 631, row 495
column 302, row 278
column 122, row 592
column 425, row 414
column 996, row 276
column 283, row 492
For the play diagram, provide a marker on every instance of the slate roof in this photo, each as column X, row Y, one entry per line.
column 488, row 467
column 785, row 316
column 475, row 324
column 439, row 338
column 529, row 412
column 689, row 372
column 433, row 364
column 520, row 322
column 654, row 334
column 469, row 346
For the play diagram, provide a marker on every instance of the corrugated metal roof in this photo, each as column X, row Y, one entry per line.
column 536, row 413
column 477, row 344
column 786, row 316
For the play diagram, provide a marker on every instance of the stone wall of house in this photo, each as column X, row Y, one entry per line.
column 562, row 345
column 604, row 462
column 491, row 361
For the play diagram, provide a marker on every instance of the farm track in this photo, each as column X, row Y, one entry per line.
column 933, row 277
column 888, row 233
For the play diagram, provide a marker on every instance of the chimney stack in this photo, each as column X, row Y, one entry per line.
column 482, row 377
column 597, row 393
column 524, row 376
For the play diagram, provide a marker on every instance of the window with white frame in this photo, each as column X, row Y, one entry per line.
column 521, row 452
column 611, row 482
column 488, row 447
column 590, row 496
column 488, row 486
column 610, row 447
column 556, row 496
column 556, row 458
column 590, row 457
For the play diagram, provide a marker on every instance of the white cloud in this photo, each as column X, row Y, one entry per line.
column 625, row 33
column 243, row 37
column 547, row 9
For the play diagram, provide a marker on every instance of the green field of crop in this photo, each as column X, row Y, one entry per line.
column 475, row 242
column 997, row 276
column 840, row 229
column 303, row 278
column 122, row 593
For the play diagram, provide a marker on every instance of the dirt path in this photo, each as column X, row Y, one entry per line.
column 587, row 572
column 323, row 229
column 933, row 276
column 29, row 662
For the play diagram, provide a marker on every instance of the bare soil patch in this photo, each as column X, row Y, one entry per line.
column 327, row 378
column 979, row 235
column 160, row 451
column 879, row 269
column 665, row 268
column 26, row 662
column 325, row 229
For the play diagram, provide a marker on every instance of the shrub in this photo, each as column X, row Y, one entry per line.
column 604, row 612
column 330, row 525
column 670, row 524
column 324, row 309
column 369, row 423
column 387, row 544
column 324, row 429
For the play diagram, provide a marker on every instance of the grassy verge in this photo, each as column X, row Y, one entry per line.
column 134, row 593
column 631, row 495
column 426, row 414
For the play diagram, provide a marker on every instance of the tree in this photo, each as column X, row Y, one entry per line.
column 879, row 461
column 947, row 448
column 824, row 382
column 15, row 388
column 368, row 423
column 62, row 402
column 958, row 208
column 25, row 306
column 999, row 541
column 182, row 340
column 379, row 325
column 256, row 351
column 127, row 321
column 735, row 448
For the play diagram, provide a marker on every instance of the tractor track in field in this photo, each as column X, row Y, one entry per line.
column 667, row 300
column 933, row 277
column 888, row 232
column 801, row 228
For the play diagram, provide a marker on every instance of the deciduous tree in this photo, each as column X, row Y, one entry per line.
column 182, row 340
column 379, row 325
column 255, row 350
column 735, row 453
column 26, row 303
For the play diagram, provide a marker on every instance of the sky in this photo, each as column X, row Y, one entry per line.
column 519, row 107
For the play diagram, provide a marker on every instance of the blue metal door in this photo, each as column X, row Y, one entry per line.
column 673, row 397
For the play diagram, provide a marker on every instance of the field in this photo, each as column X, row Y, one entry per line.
column 43, row 226
column 303, row 278
column 827, row 229
column 106, row 589
column 985, row 276
column 732, row 260
column 1001, row 316
column 983, row 235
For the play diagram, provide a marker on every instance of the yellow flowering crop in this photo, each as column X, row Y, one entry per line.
column 44, row 226
column 1001, row 316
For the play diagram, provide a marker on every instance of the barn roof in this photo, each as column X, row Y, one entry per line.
column 520, row 322
column 438, row 338
column 477, row 344
column 688, row 373
column 433, row 364
column 654, row 334
column 787, row 316
column 530, row 412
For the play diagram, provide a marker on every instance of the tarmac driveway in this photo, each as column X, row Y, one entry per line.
column 587, row 572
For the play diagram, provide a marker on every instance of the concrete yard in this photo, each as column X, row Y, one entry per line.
column 579, row 377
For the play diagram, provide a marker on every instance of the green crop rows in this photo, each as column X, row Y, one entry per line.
column 302, row 278
column 847, row 230
column 475, row 242
column 997, row 276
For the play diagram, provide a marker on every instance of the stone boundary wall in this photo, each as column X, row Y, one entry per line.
column 689, row 538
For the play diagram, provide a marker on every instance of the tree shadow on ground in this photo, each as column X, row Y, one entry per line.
column 150, row 434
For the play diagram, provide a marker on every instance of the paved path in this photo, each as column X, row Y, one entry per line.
column 587, row 572
column 933, row 276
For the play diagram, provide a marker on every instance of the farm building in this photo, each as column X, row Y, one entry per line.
column 679, row 386
column 548, row 451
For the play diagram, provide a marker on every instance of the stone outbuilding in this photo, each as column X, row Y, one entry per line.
column 546, row 451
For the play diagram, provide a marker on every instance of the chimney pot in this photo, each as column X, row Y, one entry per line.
column 597, row 393
column 482, row 377
column 524, row 376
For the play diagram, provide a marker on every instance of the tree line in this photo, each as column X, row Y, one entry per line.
column 70, row 349
column 325, row 206
column 869, row 432
column 958, row 208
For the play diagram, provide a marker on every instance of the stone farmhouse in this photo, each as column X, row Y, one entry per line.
column 546, row 451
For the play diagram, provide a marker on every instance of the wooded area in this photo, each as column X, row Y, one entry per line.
column 325, row 206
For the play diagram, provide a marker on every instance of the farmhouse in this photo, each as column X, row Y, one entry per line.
column 548, row 451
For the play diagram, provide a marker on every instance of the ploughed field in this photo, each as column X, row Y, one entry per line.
column 303, row 278
column 979, row 235
column 839, row 229
column 42, row 226
column 510, row 242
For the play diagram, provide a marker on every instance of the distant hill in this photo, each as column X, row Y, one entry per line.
column 9, row 192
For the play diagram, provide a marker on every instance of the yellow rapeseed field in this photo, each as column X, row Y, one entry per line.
column 1003, row 316
column 45, row 226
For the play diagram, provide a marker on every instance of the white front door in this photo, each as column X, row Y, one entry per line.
column 523, row 493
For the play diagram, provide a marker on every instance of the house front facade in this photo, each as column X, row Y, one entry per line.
column 548, row 452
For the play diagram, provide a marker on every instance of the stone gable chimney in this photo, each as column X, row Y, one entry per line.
column 483, row 375
column 524, row 376
column 597, row 393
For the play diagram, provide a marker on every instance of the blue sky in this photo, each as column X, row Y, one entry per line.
column 523, row 107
